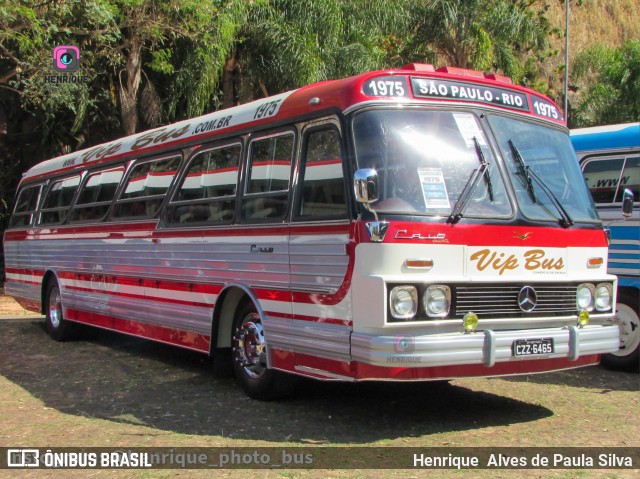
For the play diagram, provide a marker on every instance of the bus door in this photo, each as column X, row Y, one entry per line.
column 319, row 259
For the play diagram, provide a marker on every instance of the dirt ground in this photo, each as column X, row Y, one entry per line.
column 9, row 307
column 116, row 391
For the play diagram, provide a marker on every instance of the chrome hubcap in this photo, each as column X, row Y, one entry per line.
column 55, row 307
column 249, row 346
column 629, row 325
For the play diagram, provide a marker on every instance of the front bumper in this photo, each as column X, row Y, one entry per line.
column 485, row 348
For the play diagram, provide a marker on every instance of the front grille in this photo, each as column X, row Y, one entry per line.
column 501, row 300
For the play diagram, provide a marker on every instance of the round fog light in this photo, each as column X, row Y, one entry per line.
column 583, row 318
column 470, row 322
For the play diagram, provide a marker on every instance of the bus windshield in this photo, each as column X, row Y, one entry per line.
column 543, row 171
column 430, row 163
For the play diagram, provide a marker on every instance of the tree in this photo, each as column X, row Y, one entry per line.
column 39, row 118
column 285, row 44
column 128, row 52
column 153, row 29
column 487, row 35
column 611, row 79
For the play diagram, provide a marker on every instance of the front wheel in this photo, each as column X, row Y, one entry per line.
column 249, row 351
column 57, row 327
column 627, row 358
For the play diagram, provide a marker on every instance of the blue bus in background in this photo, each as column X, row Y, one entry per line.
column 610, row 160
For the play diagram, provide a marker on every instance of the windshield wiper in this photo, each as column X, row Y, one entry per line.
column 470, row 187
column 524, row 170
column 485, row 165
column 565, row 220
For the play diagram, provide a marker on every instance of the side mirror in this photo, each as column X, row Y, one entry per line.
column 365, row 185
column 627, row 203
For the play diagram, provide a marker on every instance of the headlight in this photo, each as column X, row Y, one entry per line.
column 437, row 301
column 403, row 302
column 603, row 297
column 584, row 297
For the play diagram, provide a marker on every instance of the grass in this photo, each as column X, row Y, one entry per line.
column 116, row 391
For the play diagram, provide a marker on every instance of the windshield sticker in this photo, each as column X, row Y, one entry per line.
column 434, row 189
column 469, row 129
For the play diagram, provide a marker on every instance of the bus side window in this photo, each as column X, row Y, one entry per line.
column 207, row 193
column 630, row 179
column 602, row 177
column 58, row 200
column 146, row 188
column 322, row 194
column 26, row 206
column 96, row 196
column 267, row 188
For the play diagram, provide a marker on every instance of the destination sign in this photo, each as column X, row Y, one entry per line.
column 455, row 90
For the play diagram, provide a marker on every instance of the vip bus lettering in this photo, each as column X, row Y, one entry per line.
column 497, row 261
column 535, row 259
column 100, row 152
column 159, row 136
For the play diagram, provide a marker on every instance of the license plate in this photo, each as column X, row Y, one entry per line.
column 532, row 347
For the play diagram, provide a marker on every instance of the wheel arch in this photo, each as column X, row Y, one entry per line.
column 49, row 275
column 229, row 300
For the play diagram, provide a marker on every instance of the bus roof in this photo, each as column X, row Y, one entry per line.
column 414, row 83
column 609, row 137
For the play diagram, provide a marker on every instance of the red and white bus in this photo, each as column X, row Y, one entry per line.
column 410, row 224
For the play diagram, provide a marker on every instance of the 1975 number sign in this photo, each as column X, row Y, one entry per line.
column 386, row 86
column 267, row 109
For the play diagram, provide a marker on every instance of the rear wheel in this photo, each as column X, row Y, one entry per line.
column 57, row 327
column 249, row 351
column 627, row 358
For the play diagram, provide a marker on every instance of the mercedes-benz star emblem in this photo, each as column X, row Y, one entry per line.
column 527, row 299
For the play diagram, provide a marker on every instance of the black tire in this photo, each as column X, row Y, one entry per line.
column 57, row 327
column 248, row 349
column 627, row 358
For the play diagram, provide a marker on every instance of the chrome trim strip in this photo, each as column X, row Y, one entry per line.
column 315, row 339
column 321, row 372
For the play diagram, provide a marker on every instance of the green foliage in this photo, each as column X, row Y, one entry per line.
column 612, row 85
column 486, row 35
column 173, row 59
column 287, row 43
